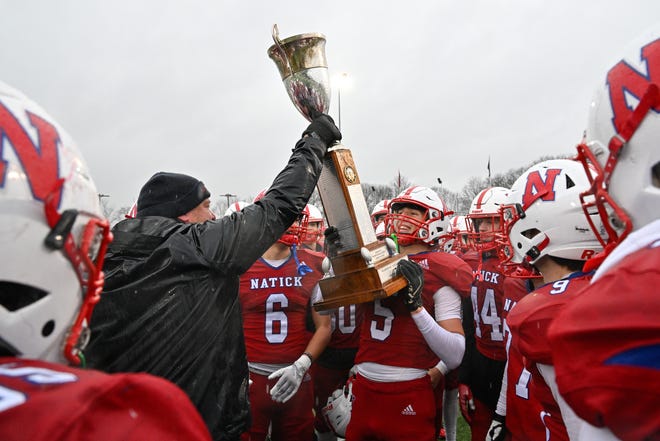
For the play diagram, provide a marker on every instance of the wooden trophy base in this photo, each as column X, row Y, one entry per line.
column 361, row 285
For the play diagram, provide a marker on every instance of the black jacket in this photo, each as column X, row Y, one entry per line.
column 170, row 303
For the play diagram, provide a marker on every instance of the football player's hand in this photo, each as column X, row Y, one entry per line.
column 324, row 127
column 466, row 402
column 496, row 431
column 290, row 378
column 412, row 294
column 437, row 378
column 332, row 241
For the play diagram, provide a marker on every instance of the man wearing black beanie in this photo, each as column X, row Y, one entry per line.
column 170, row 303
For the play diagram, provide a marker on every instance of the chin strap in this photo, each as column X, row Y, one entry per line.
column 303, row 268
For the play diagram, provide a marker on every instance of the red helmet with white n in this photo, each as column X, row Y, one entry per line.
column 436, row 221
column 53, row 236
column 297, row 231
column 235, row 206
column 544, row 215
column 483, row 220
column 621, row 145
column 379, row 211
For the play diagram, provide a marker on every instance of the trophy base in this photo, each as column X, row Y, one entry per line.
column 362, row 285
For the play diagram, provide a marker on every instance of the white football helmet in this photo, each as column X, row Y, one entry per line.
column 235, row 206
column 483, row 220
column 621, row 145
column 435, row 225
column 459, row 235
column 132, row 212
column 53, row 236
column 337, row 411
column 315, row 224
column 544, row 215
column 379, row 211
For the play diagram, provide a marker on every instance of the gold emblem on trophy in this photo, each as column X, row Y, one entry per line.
column 361, row 268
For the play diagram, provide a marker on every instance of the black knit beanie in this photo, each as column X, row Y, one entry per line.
column 170, row 195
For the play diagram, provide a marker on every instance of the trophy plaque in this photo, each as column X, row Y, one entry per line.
column 359, row 268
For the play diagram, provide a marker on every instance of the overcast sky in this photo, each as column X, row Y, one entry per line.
column 435, row 86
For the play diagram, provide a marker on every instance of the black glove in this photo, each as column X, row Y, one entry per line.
column 325, row 129
column 412, row 294
column 332, row 241
column 496, row 431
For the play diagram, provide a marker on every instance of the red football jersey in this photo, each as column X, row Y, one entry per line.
column 529, row 322
column 275, row 304
column 523, row 410
column 48, row 401
column 487, row 294
column 606, row 344
column 389, row 334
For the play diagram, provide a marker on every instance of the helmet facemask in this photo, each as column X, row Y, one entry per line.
column 296, row 232
column 86, row 256
column 483, row 231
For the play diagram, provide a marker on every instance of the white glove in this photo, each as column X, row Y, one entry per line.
column 290, row 379
column 496, row 431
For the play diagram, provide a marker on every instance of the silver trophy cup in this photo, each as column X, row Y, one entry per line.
column 304, row 70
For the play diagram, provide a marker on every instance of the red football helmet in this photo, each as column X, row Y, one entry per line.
column 297, row 231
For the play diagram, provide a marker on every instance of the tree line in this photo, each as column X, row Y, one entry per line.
column 456, row 201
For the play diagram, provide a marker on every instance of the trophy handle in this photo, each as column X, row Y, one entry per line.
column 280, row 49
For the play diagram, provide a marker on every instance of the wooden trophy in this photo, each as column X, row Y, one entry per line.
column 359, row 268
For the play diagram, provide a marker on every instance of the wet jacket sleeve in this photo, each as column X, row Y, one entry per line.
column 233, row 243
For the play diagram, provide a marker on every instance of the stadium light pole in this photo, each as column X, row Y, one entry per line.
column 228, row 195
column 341, row 81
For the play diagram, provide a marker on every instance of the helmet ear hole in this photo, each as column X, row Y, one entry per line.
column 655, row 175
column 530, row 233
column 48, row 328
column 15, row 296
